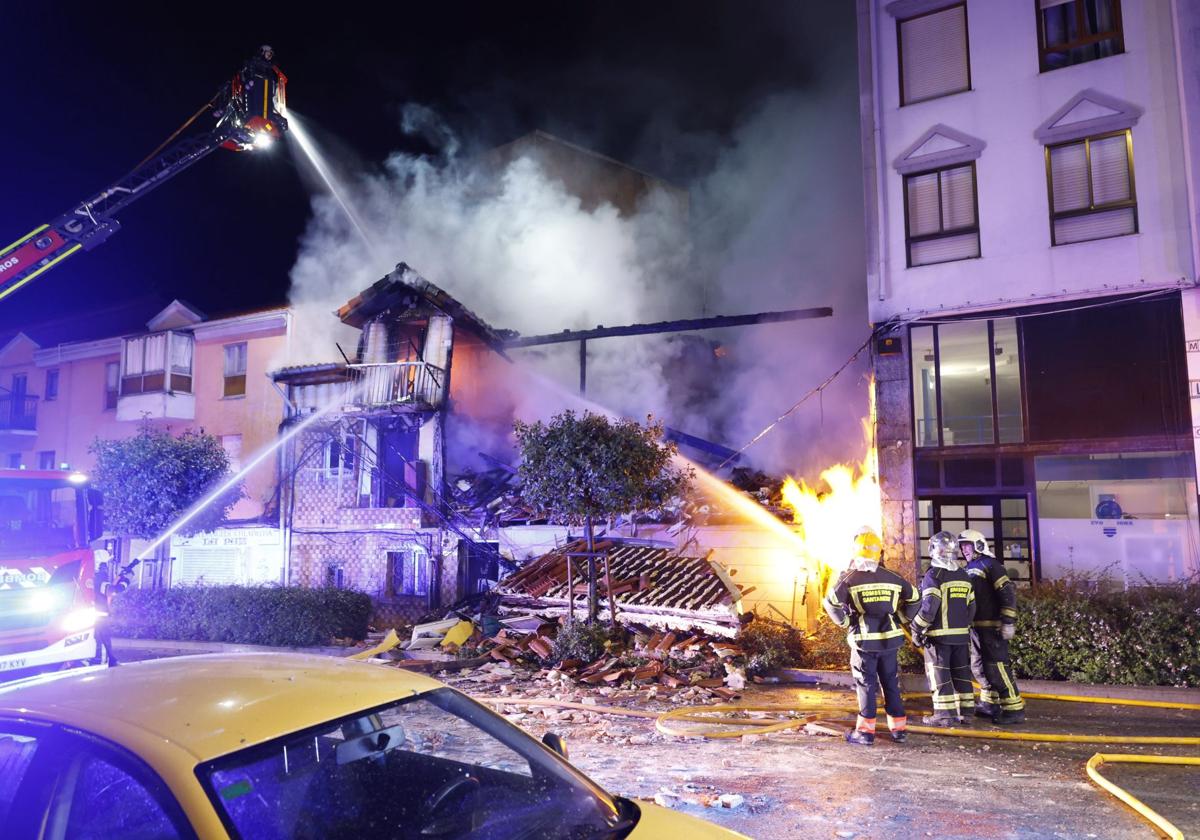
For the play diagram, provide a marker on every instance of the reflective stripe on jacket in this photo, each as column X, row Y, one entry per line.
column 995, row 593
column 870, row 607
column 947, row 606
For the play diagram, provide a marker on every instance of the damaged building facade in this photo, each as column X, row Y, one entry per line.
column 1031, row 214
column 363, row 488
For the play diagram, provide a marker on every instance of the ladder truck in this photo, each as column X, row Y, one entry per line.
column 247, row 113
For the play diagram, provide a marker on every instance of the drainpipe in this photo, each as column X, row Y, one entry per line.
column 1185, row 124
column 879, row 164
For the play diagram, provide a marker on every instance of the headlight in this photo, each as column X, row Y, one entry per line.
column 42, row 600
column 81, row 619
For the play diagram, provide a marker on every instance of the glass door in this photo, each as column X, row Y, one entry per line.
column 1003, row 520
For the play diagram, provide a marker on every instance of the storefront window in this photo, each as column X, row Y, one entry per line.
column 966, row 383
column 924, row 383
column 1130, row 517
column 965, row 380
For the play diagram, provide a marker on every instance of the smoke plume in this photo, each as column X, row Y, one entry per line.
column 772, row 221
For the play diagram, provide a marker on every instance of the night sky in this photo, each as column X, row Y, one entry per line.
column 91, row 90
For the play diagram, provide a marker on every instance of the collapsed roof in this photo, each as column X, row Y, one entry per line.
column 652, row 585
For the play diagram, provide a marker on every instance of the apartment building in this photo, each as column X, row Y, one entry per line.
column 178, row 369
column 1030, row 183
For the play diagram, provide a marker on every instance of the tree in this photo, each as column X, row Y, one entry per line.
column 580, row 468
column 151, row 479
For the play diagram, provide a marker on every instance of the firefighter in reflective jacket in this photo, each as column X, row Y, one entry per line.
column 110, row 580
column 995, row 623
column 870, row 603
column 942, row 627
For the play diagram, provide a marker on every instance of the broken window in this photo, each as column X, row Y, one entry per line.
column 408, row 573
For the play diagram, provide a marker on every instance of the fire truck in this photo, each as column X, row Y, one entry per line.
column 49, row 520
column 248, row 112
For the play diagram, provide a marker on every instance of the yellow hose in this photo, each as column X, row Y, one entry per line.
column 1149, row 814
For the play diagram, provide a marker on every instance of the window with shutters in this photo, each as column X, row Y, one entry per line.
column 1091, row 188
column 235, row 370
column 408, row 573
column 941, row 215
column 1075, row 31
column 934, row 55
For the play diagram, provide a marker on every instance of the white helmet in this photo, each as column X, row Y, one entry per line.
column 976, row 540
column 943, row 551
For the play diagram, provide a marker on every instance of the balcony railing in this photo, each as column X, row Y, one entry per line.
column 18, row 414
column 415, row 384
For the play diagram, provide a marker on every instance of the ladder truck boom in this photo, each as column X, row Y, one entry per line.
column 248, row 112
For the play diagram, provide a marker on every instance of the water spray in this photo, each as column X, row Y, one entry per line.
column 233, row 480
column 299, row 133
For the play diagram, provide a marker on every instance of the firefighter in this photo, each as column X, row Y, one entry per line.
column 107, row 584
column 995, row 624
column 942, row 626
column 870, row 603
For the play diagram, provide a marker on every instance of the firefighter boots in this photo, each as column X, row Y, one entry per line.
column 857, row 736
column 941, row 718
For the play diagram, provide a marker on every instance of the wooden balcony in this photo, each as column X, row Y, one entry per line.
column 417, row 386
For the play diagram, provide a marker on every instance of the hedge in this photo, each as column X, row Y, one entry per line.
column 262, row 615
column 1148, row 635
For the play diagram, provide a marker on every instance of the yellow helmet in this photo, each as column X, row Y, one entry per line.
column 867, row 544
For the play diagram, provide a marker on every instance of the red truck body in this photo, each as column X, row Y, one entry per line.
column 47, row 569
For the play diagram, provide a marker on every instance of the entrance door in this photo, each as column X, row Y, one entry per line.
column 1005, row 516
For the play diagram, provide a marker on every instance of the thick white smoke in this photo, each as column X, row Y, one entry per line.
column 774, row 224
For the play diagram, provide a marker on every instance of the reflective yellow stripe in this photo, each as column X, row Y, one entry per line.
column 887, row 634
column 23, row 239
column 1002, row 582
column 987, row 623
column 10, row 289
column 266, row 90
column 1012, row 689
column 976, row 572
column 920, row 621
column 949, row 631
column 1008, row 611
column 931, row 591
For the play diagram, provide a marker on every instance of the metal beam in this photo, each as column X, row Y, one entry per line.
column 717, row 322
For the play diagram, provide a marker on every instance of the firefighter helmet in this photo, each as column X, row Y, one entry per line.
column 867, row 549
column 943, row 550
column 976, row 540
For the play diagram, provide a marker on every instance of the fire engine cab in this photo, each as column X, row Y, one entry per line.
column 48, row 519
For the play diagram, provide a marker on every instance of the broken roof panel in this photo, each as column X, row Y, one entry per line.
column 652, row 585
column 405, row 287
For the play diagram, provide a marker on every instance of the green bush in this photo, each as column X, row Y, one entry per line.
column 770, row 645
column 1149, row 635
column 578, row 640
column 288, row 616
column 826, row 648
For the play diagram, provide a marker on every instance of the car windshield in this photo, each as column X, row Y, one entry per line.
column 434, row 765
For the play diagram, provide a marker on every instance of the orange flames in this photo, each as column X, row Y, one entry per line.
column 828, row 518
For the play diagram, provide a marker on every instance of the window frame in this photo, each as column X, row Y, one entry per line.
column 909, row 239
column 228, row 378
column 1117, row 35
column 1092, row 208
column 395, row 583
column 937, row 373
column 112, row 395
column 900, row 52
column 53, row 375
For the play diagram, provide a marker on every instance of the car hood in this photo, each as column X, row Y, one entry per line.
column 657, row 823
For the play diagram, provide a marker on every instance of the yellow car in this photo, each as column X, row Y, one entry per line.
column 288, row 746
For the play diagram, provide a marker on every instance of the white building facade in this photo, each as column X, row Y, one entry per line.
column 1030, row 184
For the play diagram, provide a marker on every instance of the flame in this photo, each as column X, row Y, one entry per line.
column 846, row 498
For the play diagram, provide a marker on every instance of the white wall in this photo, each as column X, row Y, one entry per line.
column 1009, row 100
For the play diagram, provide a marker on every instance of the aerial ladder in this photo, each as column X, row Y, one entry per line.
column 248, row 113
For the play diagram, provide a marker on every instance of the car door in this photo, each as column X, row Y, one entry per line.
column 102, row 791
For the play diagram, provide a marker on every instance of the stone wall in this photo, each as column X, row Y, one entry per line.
column 894, row 438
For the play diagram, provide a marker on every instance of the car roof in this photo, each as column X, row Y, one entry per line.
column 209, row 705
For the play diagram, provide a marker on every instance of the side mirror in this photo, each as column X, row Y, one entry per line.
column 557, row 743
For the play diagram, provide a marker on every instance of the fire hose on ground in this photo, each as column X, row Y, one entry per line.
column 720, row 722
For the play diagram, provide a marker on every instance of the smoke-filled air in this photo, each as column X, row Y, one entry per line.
column 772, row 222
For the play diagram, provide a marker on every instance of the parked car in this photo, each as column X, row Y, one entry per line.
column 289, row 746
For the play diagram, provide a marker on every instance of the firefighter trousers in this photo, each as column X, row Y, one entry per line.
column 948, row 668
column 871, row 669
column 989, row 663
